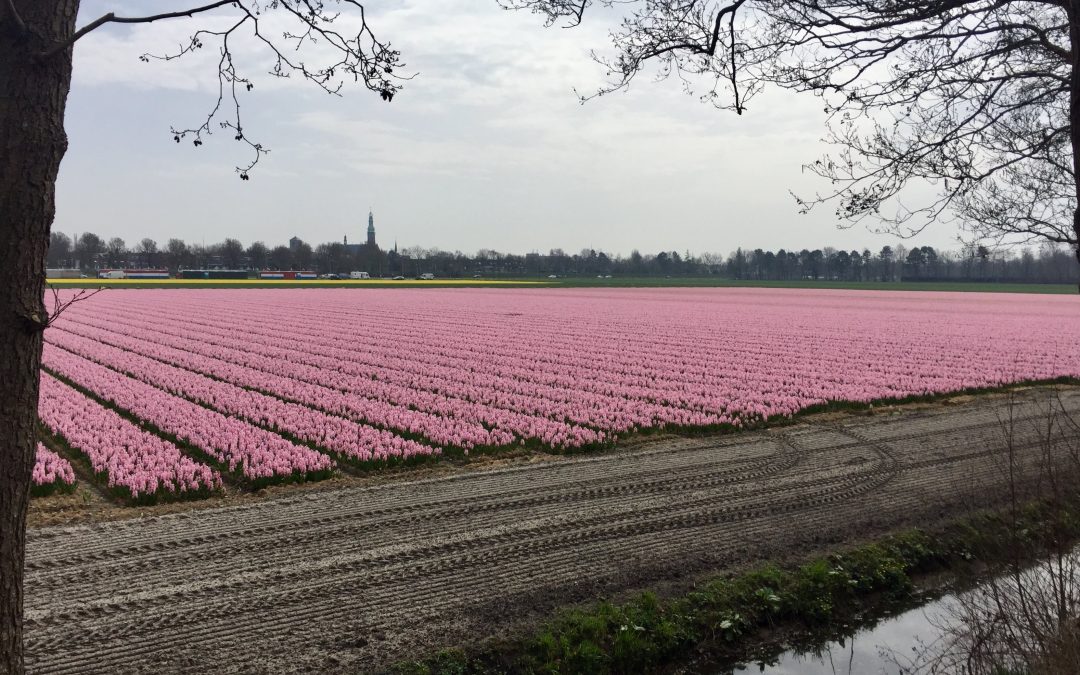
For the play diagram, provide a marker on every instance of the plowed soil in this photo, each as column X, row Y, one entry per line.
column 353, row 578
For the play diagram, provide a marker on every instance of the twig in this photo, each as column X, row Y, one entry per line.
column 112, row 18
column 364, row 57
column 734, row 79
column 59, row 306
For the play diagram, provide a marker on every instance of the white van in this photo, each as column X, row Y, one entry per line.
column 111, row 274
column 427, row 276
column 359, row 275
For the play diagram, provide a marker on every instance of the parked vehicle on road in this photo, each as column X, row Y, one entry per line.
column 286, row 274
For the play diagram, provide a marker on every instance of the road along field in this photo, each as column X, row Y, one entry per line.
column 196, row 388
column 354, row 579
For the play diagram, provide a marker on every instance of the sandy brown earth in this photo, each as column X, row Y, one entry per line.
column 353, row 577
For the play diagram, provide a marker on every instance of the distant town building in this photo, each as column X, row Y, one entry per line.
column 358, row 248
column 294, row 243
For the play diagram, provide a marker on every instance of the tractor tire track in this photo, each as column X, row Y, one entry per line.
column 282, row 584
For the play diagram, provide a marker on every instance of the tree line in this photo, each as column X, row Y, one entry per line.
column 1047, row 264
column 89, row 253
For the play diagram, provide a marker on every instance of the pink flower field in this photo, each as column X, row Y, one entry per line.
column 282, row 384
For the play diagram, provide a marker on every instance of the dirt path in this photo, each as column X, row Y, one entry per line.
column 354, row 578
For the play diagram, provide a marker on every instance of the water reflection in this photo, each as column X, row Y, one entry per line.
column 871, row 650
column 1020, row 621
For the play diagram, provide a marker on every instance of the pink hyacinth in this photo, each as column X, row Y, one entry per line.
column 51, row 469
column 130, row 458
column 400, row 373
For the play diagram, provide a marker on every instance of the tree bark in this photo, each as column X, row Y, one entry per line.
column 33, row 94
column 1072, row 11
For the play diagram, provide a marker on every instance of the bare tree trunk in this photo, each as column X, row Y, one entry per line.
column 33, row 94
column 1073, row 13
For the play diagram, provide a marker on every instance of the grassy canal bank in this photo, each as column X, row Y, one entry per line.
column 732, row 619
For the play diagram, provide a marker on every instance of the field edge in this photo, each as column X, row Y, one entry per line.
column 754, row 615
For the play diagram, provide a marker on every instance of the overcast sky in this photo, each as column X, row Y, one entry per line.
column 487, row 147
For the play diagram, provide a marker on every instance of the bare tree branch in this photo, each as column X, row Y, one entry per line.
column 969, row 97
column 59, row 306
column 112, row 18
column 362, row 58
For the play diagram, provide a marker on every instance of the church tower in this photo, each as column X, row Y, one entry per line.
column 370, row 229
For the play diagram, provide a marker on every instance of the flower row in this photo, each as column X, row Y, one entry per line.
column 133, row 461
column 336, row 434
column 335, row 386
column 51, row 472
column 512, row 405
column 254, row 453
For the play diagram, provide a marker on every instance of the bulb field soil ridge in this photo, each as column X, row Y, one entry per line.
column 356, row 578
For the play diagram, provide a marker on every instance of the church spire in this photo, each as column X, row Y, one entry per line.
column 370, row 228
